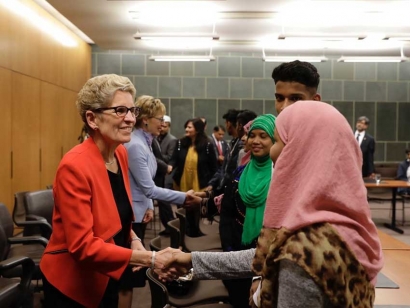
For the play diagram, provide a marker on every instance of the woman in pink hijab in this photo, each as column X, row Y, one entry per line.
column 318, row 246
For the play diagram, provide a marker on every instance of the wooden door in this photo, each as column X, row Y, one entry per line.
column 25, row 132
column 51, row 131
column 5, row 139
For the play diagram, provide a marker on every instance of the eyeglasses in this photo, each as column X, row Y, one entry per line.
column 162, row 120
column 121, row 111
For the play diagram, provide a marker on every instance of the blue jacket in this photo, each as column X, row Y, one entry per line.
column 142, row 168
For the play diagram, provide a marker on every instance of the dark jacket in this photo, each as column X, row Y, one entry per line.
column 207, row 163
column 368, row 146
column 224, row 174
column 402, row 175
column 162, row 169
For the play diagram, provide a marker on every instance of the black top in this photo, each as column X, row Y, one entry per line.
column 233, row 212
column 207, row 163
column 123, row 206
column 224, row 174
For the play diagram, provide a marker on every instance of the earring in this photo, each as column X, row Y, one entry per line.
column 146, row 124
column 95, row 128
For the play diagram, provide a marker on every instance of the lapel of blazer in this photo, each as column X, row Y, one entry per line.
column 364, row 141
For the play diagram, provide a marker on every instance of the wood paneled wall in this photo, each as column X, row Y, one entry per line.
column 39, row 82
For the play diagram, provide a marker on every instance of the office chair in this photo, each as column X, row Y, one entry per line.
column 33, row 245
column 181, row 241
column 160, row 242
column 202, row 293
column 14, row 292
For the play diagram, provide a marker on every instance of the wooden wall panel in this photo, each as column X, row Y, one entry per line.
column 77, row 66
column 5, row 41
column 5, row 138
column 72, row 123
column 25, row 53
column 39, row 82
column 25, row 132
column 51, row 131
column 51, row 60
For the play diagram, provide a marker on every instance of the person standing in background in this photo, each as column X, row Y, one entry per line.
column 403, row 173
column 367, row 145
column 166, row 144
column 221, row 147
column 195, row 163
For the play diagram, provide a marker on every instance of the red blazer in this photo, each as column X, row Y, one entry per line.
column 81, row 255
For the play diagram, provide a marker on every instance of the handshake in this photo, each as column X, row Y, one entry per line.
column 172, row 263
column 192, row 200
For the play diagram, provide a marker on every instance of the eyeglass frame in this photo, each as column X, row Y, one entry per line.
column 135, row 113
column 162, row 120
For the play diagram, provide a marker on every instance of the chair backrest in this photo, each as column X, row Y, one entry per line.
column 155, row 244
column 40, row 203
column 6, row 224
column 388, row 171
column 19, row 210
column 6, row 221
column 181, row 215
column 159, row 292
column 175, row 233
column 4, row 247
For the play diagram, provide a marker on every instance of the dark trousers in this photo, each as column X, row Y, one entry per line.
column 54, row 298
column 139, row 229
column 239, row 292
column 192, row 223
column 165, row 213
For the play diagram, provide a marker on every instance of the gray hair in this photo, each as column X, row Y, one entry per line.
column 365, row 119
column 99, row 91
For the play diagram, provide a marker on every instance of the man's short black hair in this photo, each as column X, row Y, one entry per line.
column 297, row 71
column 231, row 115
column 245, row 116
column 217, row 128
column 407, row 151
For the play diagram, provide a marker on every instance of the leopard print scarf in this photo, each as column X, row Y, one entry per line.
column 323, row 254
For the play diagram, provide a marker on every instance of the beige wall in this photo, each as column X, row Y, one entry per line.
column 39, row 81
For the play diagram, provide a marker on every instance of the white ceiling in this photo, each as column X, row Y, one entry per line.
column 242, row 24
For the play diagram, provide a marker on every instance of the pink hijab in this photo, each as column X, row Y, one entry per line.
column 318, row 178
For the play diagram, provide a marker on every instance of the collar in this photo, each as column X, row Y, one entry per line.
column 148, row 136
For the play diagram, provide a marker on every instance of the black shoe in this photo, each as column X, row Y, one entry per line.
column 164, row 233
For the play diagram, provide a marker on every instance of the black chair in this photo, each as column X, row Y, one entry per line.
column 39, row 205
column 188, row 244
column 20, row 217
column 33, row 245
column 206, row 229
column 19, row 209
column 160, row 242
column 14, row 292
column 202, row 293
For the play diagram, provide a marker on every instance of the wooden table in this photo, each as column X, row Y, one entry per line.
column 396, row 265
column 393, row 185
column 390, row 243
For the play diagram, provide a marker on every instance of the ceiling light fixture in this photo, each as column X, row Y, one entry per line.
column 293, row 58
column 321, row 36
column 401, row 58
column 372, row 59
column 170, row 36
column 183, row 58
